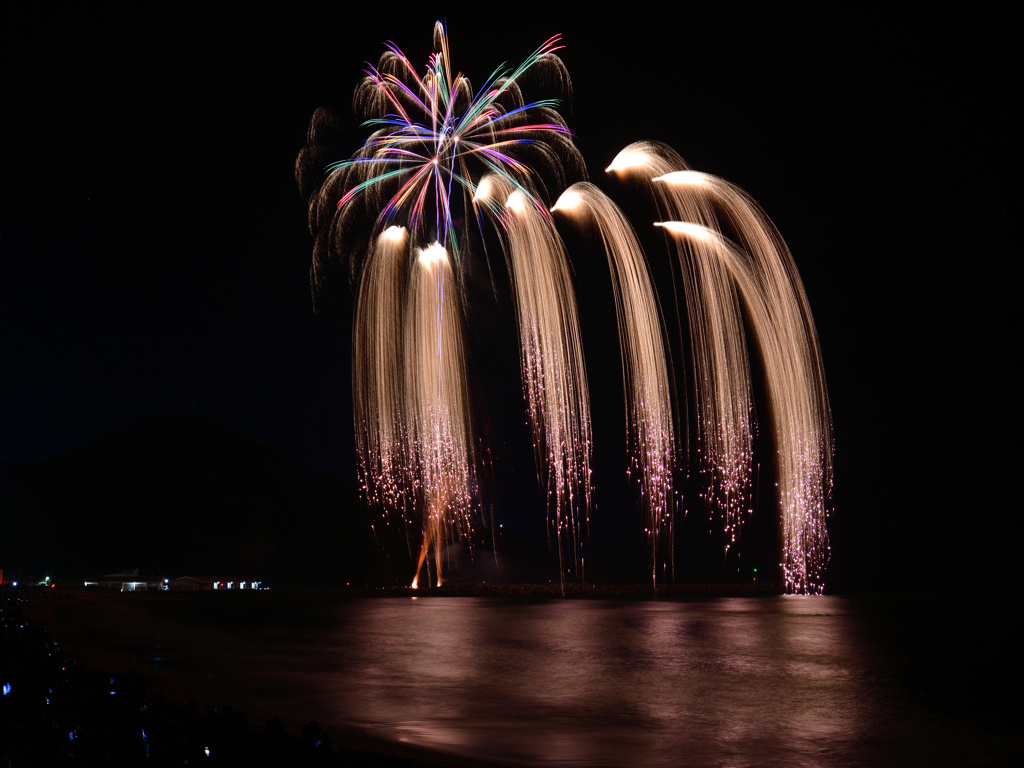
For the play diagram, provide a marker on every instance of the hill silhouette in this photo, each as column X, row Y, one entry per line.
column 182, row 496
column 174, row 496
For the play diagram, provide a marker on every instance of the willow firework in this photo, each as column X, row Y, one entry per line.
column 399, row 213
column 643, row 344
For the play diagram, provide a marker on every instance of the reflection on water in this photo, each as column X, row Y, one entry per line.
column 737, row 682
column 762, row 681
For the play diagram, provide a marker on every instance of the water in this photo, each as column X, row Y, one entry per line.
column 716, row 682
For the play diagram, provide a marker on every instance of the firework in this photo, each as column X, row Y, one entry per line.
column 441, row 156
column 437, row 402
column 551, row 360
column 732, row 256
column 643, row 344
column 416, row 181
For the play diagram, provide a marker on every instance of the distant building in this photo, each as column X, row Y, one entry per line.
column 128, row 581
column 192, row 584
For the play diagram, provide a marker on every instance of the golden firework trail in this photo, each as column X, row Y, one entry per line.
column 735, row 266
column 438, row 404
column 642, row 343
column 551, row 360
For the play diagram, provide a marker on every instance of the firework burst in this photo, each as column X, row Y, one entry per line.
column 441, row 155
column 416, row 181
column 434, row 137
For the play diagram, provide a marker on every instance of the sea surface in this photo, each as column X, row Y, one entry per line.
column 760, row 681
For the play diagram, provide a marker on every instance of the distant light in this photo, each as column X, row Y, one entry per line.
column 568, row 201
column 516, row 202
column 689, row 229
column 483, row 191
column 684, row 178
column 393, row 233
column 433, row 254
column 628, row 159
column 7, row 688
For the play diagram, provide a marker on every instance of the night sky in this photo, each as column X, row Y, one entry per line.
column 154, row 252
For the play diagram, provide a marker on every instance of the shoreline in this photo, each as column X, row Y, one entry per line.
column 574, row 590
column 92, row 629
column 186, row 652
column 202, row 677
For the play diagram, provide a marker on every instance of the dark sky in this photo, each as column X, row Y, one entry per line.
column 154, row 253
